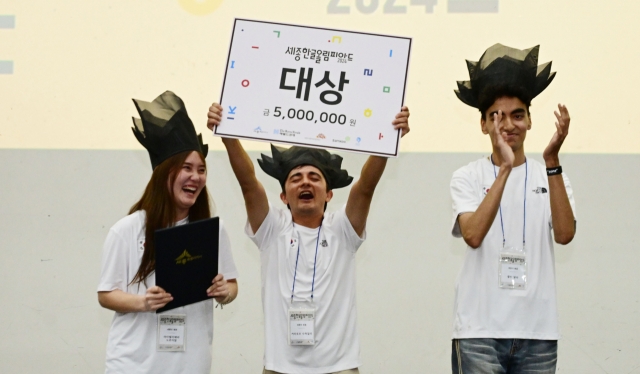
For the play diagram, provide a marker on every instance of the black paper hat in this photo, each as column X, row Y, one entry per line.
column 164, row 128
column 284, row 160
column 502, row 65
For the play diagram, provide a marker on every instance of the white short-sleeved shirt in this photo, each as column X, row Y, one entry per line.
column 337, row 346
column 131, row 346
column 482, row 309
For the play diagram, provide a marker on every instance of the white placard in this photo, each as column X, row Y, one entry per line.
column 314, row 87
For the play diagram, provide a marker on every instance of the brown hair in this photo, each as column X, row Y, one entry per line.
column 159, row 205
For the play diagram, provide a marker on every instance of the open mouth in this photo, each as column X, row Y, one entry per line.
column 189, row 190
column 306, row 196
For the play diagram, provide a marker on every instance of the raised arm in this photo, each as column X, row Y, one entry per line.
column 362, row 191
column 255, row 197
column 562, row 217
column 474, row 226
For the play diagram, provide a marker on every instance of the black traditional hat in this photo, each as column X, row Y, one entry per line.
column 502, row 65
column 284, row 160
column 164, row 128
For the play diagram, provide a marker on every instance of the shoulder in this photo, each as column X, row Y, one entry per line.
column 279, row 214
column 277, row 220
column 338, row 224
column 336, row 219
column 133, row 223
column 126, row 234
column 472, row 170
column 537, row 169
column 536, row 165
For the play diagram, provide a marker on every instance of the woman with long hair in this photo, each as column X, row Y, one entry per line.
column 176, row 194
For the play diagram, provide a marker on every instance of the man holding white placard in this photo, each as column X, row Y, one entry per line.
column 307, row 255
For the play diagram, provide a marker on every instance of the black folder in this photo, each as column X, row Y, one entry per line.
column 187, row 261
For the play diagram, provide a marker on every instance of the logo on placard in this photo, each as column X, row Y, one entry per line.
column 283, row 132
column 186, row 257
column 317, row 138
column 258, row 130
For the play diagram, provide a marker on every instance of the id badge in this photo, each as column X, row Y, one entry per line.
column 172, row 333
column 512, row 268
column 302, row 324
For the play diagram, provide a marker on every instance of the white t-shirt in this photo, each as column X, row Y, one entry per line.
column 131, row 346
column 337, row 346
column 482, row 309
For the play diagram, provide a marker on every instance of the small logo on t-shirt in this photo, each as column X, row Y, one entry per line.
column 540, row 190
column 485, row 190
column 324, row 243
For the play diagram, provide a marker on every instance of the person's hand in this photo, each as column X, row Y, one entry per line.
column 219, row 288
column 401, row 122
column 550, row 153
column 214, row 116
column 506, row 153
column 156, row 298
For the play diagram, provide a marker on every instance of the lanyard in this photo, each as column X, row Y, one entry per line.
column 524, row 220
column 295, row 272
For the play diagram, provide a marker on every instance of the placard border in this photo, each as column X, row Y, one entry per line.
column 404, row 88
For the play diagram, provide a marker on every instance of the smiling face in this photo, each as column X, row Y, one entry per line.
column 188, row 184
column 305, row 191
column 515, row 121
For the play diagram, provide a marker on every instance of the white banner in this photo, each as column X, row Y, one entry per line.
column 314, row 87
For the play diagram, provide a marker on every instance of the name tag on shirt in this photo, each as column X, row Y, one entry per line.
column 302, row 325
column 172, row 331
column 512, row 269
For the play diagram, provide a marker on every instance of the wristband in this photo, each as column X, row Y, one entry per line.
column 554, row 171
